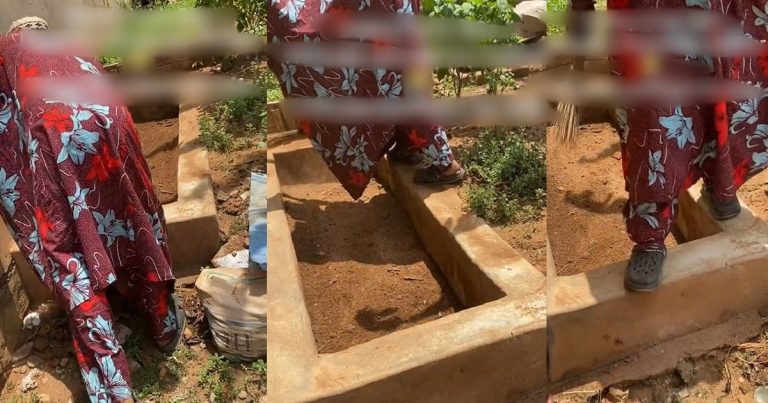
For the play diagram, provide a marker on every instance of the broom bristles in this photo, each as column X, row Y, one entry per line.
column 567, row 119
column 567, row 123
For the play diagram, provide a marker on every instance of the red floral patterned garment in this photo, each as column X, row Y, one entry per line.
column 78, row 198
column 350, row 151
column 666, row 150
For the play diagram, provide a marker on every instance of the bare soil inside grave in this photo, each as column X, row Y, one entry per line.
column 528, row 238
column 159, row 142
column 231, row 175
column 364, row 270
column 585, row 199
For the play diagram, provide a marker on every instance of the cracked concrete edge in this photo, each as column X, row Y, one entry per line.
column 292, row 352
column 495, row 352
column 665, row 356
column 478, row 263
column 193, row 226
column 579, row 305
column 471, row 344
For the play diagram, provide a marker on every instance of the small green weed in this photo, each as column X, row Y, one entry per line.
column 259, row 367
column 177, row 362
column 239, row 224
column 509, row 176
column 554, row 6
column 107, row 60
column 224, row 122
column 217, row 377
column 132, row 347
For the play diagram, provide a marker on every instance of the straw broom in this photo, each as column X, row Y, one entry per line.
column 567, row 119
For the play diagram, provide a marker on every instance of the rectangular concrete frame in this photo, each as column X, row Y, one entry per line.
column 494, row 351
column 193, row 227
column 719, row 274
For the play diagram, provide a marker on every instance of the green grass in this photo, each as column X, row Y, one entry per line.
column 31, row 398
column 217, row 377
column 274, row 93
column 146, row 380
column 509, row 176
column 239, row 224
column 556, row 6
column 176, row 5
column 105, row 60
column 234, row 124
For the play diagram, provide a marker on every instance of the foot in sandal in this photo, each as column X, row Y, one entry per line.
column 170, row 342
column 644, row 270
column 434, row 176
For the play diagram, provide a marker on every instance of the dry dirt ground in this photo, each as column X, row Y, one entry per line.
column 585, row 197
column 364, row 270
column 159, row 142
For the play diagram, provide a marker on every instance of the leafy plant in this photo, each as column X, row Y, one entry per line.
column 493, row 12
column 259, row 367
column 236, row 119
column 107, row 60
column 556, row 6
column 251, row 14
column 217, row 377
column 509, row 176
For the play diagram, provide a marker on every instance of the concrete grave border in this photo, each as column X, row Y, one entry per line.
column 494, row 351
column 193, row 227
column 719, row 274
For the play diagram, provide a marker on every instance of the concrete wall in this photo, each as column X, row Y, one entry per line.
column 15, row 9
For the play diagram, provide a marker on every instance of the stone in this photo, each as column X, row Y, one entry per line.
column 64, row 362
column 683, row 393
column 34, row 361
column 133, row 365
column 122, row 333
column 32, row 320
column 28, row 382
column 221, row 196
column 188, row 334
column 163, row 372
column 44, row 398
column 242, row 395
column 618, row 394
column 761, row 394
column 23, row 352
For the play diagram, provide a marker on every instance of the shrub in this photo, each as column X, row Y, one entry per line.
column 509, row 176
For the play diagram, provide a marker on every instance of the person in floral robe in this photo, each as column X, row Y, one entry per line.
column 666, row 150
column 78, row 199
column 352, row 151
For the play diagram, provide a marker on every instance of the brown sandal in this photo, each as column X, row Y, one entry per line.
column 432, row 176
